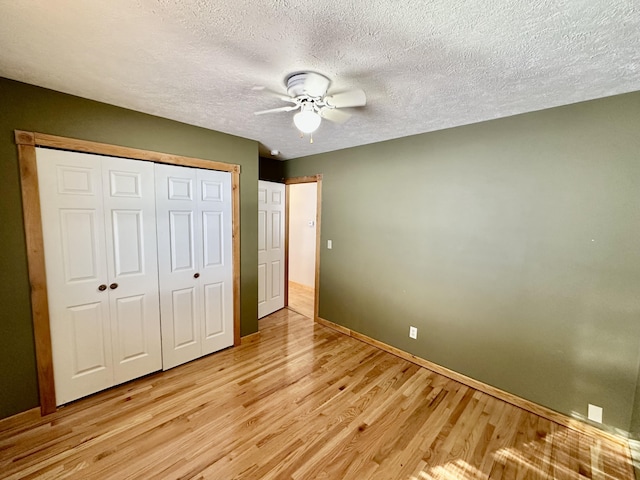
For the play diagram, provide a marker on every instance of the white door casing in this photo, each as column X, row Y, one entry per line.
column 196, row 273
column 270, row 247
column 100, row 336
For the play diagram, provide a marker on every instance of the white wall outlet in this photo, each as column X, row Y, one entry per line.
column 595, row 413
column 413, row 332
column 329, row 244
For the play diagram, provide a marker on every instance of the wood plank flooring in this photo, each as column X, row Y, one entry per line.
column 301, row 298
column 299, row 401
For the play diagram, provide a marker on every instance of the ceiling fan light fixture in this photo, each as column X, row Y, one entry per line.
column 307, row 121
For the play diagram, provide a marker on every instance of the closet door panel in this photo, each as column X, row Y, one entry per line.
column 79, row 232
column 179, row 229
column 88, row 354
column 212, row 236
column 185, row 331
column 130, row 220
column 71, row 199
column 182, row 242
column 131, row 337
column 216, row 280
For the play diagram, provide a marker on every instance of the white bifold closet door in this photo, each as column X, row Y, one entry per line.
column 196, row 274
column 270, row 247
column 98, row 221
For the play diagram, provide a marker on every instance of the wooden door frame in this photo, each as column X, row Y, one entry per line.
column 293, row 181
column 27, row 143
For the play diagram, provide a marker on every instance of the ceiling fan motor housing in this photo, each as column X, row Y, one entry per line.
column 296, row 83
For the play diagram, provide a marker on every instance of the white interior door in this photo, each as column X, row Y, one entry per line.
column 270, row 247
column 195, row 263
column 132, row 261
column 98, row 222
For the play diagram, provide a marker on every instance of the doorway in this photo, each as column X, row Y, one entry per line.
column 302, row 233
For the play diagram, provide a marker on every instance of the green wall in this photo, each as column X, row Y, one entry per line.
column 31, row 108
column 513, row 245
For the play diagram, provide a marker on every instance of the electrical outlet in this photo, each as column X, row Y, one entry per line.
column 413, row 332
column 329, row 244
column 595, row 413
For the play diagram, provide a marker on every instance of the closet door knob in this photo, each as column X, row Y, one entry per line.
column 196, row 275
column 102, row 287
column 113, row 286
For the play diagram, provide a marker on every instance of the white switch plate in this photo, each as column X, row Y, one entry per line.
column 329, row 244
column 595, row 413
column 413, row 332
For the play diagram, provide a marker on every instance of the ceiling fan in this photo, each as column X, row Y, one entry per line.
column 307, row 91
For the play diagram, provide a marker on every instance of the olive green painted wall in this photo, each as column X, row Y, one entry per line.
column 513, row 245
column 31, row 108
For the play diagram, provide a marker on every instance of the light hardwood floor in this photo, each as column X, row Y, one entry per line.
column 300, row 401
column 301, row 299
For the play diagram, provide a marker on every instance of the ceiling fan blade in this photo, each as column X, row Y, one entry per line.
column 273, row 93
column 279, row 109
column 334, row 115
column 316, row 85
column 352, row 98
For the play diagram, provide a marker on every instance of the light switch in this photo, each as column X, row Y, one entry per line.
column 311, row 223
column 329, row 244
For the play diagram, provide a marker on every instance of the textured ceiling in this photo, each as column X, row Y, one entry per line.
column 424, row 64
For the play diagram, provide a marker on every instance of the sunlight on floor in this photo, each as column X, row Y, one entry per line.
column 535, row 459
column 458, row 470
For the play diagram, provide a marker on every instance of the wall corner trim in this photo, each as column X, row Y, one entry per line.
column 514, row 400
